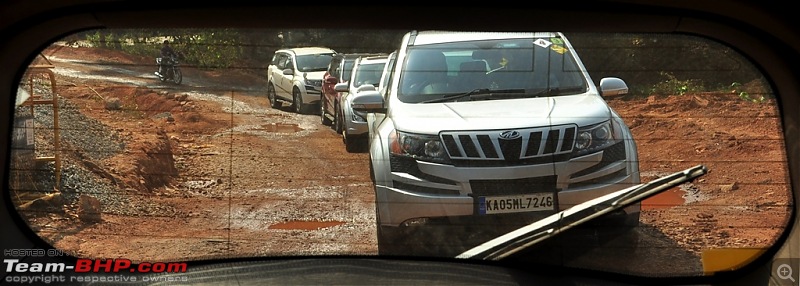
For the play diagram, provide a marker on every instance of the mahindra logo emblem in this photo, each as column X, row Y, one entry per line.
column 510, row 135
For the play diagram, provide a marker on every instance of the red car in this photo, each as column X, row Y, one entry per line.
column 339, row 71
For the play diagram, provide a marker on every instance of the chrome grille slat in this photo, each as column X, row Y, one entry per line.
column 553, row 140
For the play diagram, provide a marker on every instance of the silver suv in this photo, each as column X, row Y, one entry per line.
column 490, row 131
column 295, row 76
column 366, row 76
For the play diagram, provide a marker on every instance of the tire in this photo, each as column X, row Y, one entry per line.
column 389, row 238
column 371, row 171
column 350, row 143
column 324, row 117
column 297, row 101
column 337, row 120
column 273, row 98
column 353, row 144
column 177, row 76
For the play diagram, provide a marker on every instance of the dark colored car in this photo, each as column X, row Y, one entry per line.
column 338, row 71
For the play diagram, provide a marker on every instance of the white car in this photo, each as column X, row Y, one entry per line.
column 500, row 129
column 295, row 76
column 366, row 76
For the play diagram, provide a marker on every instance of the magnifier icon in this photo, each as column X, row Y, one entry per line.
column 785, row 272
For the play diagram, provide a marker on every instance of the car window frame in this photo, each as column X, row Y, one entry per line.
column 689, row 25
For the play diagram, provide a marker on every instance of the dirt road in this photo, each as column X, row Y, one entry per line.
column 209, row 170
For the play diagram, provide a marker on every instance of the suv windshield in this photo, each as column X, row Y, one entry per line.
column 530, row 67
column 369, row 74
column 311, row 63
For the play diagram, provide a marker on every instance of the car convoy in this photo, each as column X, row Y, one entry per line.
column 473, row 129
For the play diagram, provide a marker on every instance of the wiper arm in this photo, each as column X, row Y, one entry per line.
column 551, row 91
column 485, row 93
column 457, row 96
column 525, row 237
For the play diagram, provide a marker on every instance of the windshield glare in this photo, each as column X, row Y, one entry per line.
column 531, row 65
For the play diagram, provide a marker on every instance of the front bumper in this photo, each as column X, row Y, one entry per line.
column 312, row 94
column 435, row 190
column 354, row 122
column 355, row 127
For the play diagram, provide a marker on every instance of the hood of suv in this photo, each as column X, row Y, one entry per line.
column 431, row 118
column 315, row 75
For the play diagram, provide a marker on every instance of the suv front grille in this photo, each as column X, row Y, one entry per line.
column 516, row 145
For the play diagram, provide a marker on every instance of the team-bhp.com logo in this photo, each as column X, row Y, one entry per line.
column 90, row 270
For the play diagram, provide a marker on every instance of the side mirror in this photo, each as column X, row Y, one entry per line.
column 611, row 86
column 331, row 80
column 288, row 72
column 368, row 101
column 342, row 87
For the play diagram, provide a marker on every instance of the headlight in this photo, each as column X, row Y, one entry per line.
column 314, row 82
column 358, row 116
column 595, row 138
column 421, row 147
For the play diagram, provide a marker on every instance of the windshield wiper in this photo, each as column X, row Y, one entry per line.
column 457, row 96
column 483, row 94
column 553, row 91
column 529, row 235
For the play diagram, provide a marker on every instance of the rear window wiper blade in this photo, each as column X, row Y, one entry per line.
column 534, row 233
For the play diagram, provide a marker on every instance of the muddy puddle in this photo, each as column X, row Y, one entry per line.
column 684, row 194
column 280, row 127
column 305, row 225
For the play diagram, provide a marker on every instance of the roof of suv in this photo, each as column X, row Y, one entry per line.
column 357, row 55
column 435, row 37
column 372, row 59
column 308, row 50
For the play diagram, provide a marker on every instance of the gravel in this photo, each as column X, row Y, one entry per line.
column 77, row 180
column 86, row 136
column 82, row 138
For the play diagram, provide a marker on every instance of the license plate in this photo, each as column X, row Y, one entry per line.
column 516, row 203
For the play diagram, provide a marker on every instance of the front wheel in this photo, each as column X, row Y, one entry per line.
column 325, row 120
column 351, row 143
column 297, row 101
column 177, row 76
column 338, row 125
column 273, row 98
column 388, row 240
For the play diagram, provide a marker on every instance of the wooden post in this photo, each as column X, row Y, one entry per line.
column 34, row 100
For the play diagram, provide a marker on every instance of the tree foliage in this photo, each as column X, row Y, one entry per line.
column 649, row 63
column 663, row 63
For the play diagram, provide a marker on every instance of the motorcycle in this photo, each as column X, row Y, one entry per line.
column 170, row 70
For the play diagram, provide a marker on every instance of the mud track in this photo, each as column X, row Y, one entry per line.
column 209, row 170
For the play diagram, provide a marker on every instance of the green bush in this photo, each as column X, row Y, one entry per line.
column 674, row 86
column 744, row 95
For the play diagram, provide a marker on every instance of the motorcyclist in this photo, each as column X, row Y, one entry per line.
column 167, row 54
